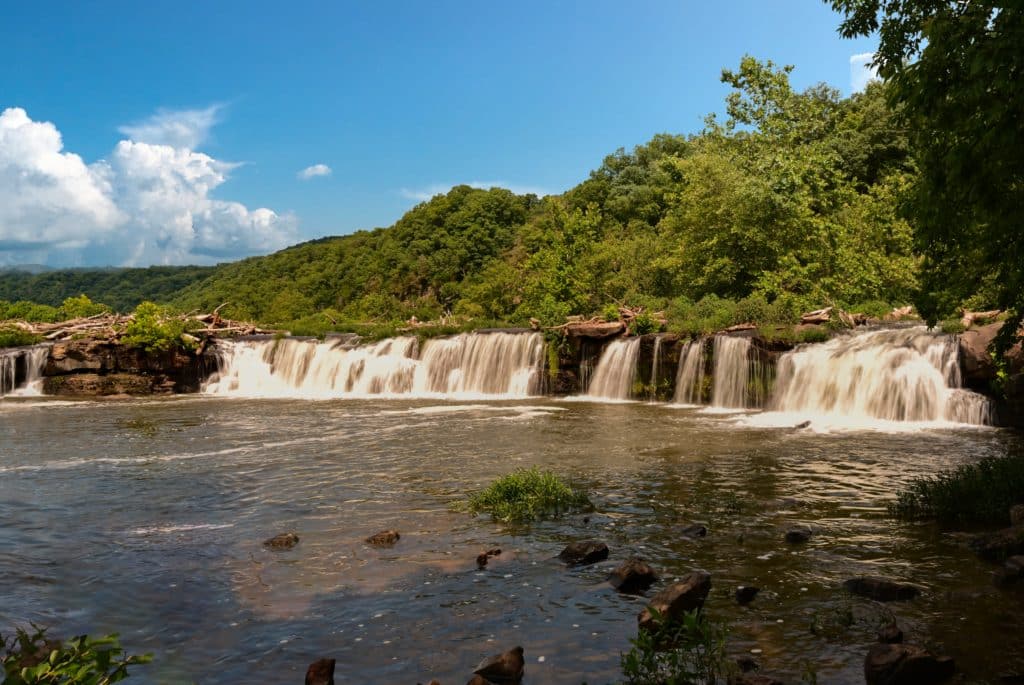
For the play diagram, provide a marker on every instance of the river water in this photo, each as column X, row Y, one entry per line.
column 146, row 517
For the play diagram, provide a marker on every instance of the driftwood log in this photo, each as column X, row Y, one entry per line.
column 970, row 318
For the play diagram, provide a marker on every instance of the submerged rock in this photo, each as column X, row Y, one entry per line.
column 890, row 634
column 484, row 557
column 1017, row 515
column 1011, row 572
column 998, row 545
column 747, row 663
column 584, row 552
column 633, row 576
column 677, row 599
column 282, row 541
column 881, row 589
column 385, row 538
column 695, row 530
column 320, row 672
column 906, row 665
column 745, row 594
column 798, row 534
column 502, row 668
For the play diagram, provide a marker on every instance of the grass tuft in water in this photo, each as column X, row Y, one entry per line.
column 684, row 652
column 527, row 495
column 971, row 494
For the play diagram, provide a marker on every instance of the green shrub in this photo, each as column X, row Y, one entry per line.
column 952, row 326
column 526, row 495
column 876, row 309
column 32, row 659
column 610, row 312
column 15, row 337
column 154, row 330
column 81, row 307
column 978, row 493
column 684, row 652
column 643, row 324
column 28, row 311
column 813, row 335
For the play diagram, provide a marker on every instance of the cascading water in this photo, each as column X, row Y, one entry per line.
column 732, row 372
column 690, row 379
column 616, row 370
column 905, row 374
column 495, row 364
column 31, row 360
column 655, row 364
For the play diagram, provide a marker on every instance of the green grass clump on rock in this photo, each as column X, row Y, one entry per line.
column 527, row 495
column 978, row 493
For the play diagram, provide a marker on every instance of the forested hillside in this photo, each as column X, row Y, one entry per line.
column 789, row 202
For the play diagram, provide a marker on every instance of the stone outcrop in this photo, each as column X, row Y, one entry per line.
column 896, row 664
column 881, row 589
column 502, row 668
column 677, row 599
column 584, row 552
column 100, row 368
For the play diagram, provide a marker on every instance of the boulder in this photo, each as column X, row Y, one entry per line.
column 584, row 552
column 998, row 545
column 633, row 576
column 976, row 362
column 881, row 589
column 677, row 599
column 320, row 672
column 1017, row 514
column 890, row 634
column 385, row 538
column 798, row 534
column 887, row 664
column 502, row 668
column 282, row 541
column 745, row 594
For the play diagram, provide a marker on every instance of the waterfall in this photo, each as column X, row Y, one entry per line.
column 732, row 371
column 616, row 370
column 905, row 374
column 690, row 379
column 30, row 361
column 494, row 364
column 655, row 363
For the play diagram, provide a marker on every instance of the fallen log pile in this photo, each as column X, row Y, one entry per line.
column 110, row 326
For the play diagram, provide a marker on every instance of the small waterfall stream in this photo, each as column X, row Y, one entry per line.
column 732, row 371
column 495, row 364
column 655, row 367
column 690, row 379
column 905, row 374
column 29, row 361
column 616, row 370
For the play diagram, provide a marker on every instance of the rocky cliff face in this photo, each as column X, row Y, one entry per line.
column 100, row 367
column 982, row 374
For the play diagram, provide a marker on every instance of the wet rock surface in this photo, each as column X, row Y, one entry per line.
column 633, row 576
column 320, row 672
column 282, row 541
column 998, row 545
column 584, row 552
column 745, row 594
column 888, row 664
column 677, row 599
column 798, row 534
column 385, row 538
column 881, row 589
column 503, row 668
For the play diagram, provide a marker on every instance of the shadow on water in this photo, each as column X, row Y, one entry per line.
column 147, row 519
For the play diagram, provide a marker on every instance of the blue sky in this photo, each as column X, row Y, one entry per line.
column 191, row 123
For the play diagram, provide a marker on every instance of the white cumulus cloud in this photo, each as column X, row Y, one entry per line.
column 149, row 203
column 188, row 128
column 861, row 71
column 425, row 193
column 314, row 171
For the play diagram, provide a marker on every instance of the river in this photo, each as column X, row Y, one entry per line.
column 146, row 517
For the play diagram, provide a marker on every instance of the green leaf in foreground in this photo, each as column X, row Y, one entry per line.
column 526, row 495
column 33, row 659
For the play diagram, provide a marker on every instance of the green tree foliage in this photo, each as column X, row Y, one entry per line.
column 122, row 289
column 153, row 329
column 33, row 659
column 81, row 306
column 954, row 71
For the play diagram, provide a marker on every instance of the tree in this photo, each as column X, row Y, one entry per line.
column 954, row 71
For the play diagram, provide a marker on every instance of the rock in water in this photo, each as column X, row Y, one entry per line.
column 906, row 665
column 282, row 541
column 745, row 594
column 755, row 679
column 1017, row 514
column 880, row 589
column 695, row 530
column 890, row 634
column 320, row 672
column 677, row 599
column 798, row 534
column 502, row 668
column 385, row 538
column 585, row 552
column 633, row 576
